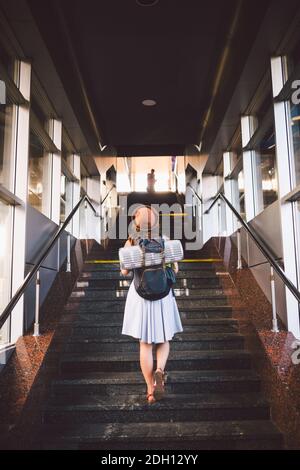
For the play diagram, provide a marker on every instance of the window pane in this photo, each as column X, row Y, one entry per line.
column 66, row 189
column 63, row 181
column 7, row 61
column 241, row 188
column 38, row 176
column 5, row 265
column 266, row 171
column 295, row 123
column 6, row 146
column 297, row 204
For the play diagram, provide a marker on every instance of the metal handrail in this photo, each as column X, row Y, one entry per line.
column 190, row 186
column 14, row 300
column 266, row 251
column 106, row 196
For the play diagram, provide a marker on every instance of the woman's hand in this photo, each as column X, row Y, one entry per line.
column 175, row 268
column 125, row 272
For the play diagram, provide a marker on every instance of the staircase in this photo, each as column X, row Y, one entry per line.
column 213, row 398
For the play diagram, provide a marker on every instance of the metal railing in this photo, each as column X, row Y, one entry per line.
column 196, row 194
column 199, row 199
column 265, row 250
column 108, row 193
column 36, row 268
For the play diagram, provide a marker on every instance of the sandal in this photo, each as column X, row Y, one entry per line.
column 159, row 384
column 150, row 398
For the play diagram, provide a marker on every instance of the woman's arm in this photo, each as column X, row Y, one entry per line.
column 125, row 272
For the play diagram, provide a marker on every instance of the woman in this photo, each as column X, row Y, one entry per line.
column 151, row 321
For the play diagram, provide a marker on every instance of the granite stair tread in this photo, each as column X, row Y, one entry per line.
column 177, row 338
column 97, row 294
column 112, row 284
column 173, row 376
column 174, row 355
column 200, row 308
column 128, row 360
column 82, row 298
column 184, row 340
column 115, row 274
column 94, row 265
column 183, row 407
column 170, row 401
column 163, row 434
column 185, row 321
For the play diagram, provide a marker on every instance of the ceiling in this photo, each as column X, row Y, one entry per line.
column 186, row 55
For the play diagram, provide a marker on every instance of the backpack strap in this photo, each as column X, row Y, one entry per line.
column 142, row 247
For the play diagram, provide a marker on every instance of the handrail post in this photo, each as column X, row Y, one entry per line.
column 239, row 250
column 86, row 225
column 85, row 219
column 275, row 328
column 68, row 270
column 36, row 329
column 220, row 218
column 58, row 254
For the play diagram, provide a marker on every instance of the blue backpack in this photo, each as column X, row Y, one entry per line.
column 151, row 282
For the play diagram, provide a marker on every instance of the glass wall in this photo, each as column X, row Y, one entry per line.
column 241, row 190
column 66, row 195
column 295, row 129
column 5, row 264
column 63, row 197
column 8, row 113
column 298, row 234
column 267, row 171
column 38, row 175
column 6, row 145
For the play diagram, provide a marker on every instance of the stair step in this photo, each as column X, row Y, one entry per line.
column 115, row 274
column 187, row 341
column 97, row 321
column 104, row 294
column 179, row 381
column 68, row 316
column 134, row 408
column 112, row 331
column 192, row 360
column 241, row 434
column 207, row 311
column 119, row 304
column 93, row 265
column 202, row 283
column 90, row 321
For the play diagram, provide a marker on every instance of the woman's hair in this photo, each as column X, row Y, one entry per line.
column 146, row 233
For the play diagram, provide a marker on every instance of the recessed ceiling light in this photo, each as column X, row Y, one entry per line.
column 146, row 3
column 149, row 102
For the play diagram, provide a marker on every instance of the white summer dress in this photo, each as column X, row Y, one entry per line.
column 151, row 321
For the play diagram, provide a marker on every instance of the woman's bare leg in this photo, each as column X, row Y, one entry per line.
column 162, row 354
column 146, row 362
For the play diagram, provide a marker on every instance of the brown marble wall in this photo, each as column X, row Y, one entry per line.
column 271, row 351
column 24, row 380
